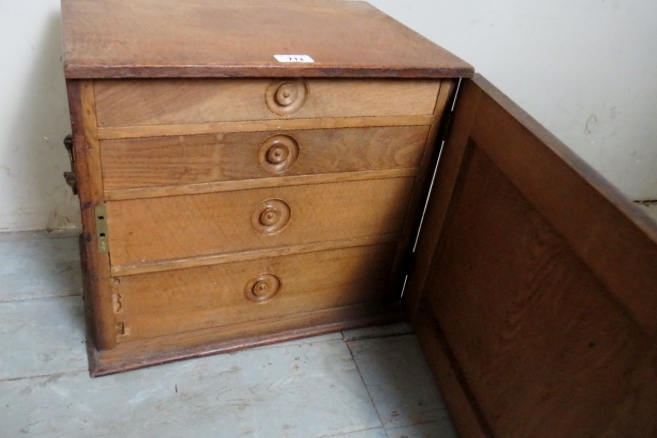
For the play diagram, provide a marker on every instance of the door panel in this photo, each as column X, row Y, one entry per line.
column 541, row 280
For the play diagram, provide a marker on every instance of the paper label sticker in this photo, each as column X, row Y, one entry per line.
column 293, row 58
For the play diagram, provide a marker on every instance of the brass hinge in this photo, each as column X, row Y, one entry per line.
column 101, row 229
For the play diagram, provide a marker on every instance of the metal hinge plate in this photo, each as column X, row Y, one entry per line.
column 101, row 229
column 70, row 177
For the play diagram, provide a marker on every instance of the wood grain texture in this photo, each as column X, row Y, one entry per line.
column 259, row 125
column 245, row 184
column 232, row 257
column 96, row 266
column 464, row 412
column 619, row 241
column 205, row 38
column 199, row 343
column 544, row 345
column 185, row 226
column 191, row 299
column 179, row 101
column 164, row 161
column 548, row 343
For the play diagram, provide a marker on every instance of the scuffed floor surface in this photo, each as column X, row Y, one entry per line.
column 370, row 383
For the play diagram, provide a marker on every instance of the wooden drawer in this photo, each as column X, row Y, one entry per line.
column 177, row 301
column 162, row 161
column 172, row 102
column 174, row 227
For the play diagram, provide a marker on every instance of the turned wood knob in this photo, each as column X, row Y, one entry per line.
column 270, row 216
column 278, row 153
column 262, row 288
column 286, row 97
column 287, row 94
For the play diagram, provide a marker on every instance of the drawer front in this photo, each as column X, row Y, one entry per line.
column 173, row 102
column 162, row 161
column 178, row 301
column 146, row 230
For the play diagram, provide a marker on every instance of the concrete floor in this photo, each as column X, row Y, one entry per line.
column 371, row 383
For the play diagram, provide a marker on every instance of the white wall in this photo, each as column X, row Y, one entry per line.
column 33, row 119
column 585, row 69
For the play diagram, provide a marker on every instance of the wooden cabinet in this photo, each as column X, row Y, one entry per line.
column 256, row 172
column 231, row 198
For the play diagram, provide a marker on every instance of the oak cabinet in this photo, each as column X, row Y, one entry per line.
column 252, row 172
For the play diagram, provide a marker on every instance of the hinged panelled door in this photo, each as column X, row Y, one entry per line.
column 535, row 291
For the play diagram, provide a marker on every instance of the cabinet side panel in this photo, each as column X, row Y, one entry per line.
column 615, row 237
column 90, row 190
column 541, row 341
column 463, row 410
column 542, row 281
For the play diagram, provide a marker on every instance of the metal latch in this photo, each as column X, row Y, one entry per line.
column 70, row 177
column 101, row 229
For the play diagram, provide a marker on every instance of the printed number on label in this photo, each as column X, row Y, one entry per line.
column 293, row 58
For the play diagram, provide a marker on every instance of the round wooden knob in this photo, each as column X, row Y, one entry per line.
column 278, row 153
column 262, row 288
column 286, row 97
column 287, row 94
column 270, row 216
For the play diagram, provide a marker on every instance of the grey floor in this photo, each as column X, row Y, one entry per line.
column 371, row 383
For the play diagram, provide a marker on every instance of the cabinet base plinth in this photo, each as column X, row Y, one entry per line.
column 145, row 353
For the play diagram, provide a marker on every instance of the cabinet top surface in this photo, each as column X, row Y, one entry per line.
column 239, row 38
